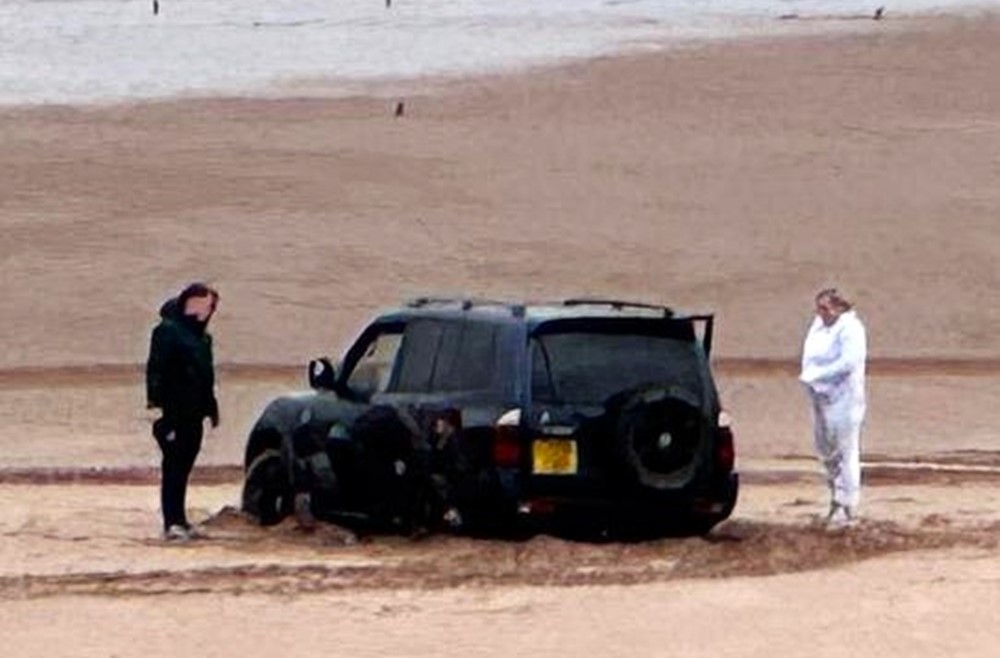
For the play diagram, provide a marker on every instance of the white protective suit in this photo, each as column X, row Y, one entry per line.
column 833, row 371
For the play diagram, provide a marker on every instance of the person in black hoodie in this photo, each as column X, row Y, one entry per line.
column 180, row 381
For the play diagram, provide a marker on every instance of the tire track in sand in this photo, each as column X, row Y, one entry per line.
column 735, row 548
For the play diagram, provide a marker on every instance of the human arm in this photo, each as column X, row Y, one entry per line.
column 156, row 368
column 213, row 412
column 846, row 354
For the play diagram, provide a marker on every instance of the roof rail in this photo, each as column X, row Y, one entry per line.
column 618, row 304
column 465, row 303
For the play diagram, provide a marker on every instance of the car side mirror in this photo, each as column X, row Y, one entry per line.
column 322, row 375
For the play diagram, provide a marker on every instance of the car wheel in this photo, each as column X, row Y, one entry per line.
column 658, row 433
column 267, row 492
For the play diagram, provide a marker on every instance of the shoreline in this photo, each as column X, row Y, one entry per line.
column 780, row 29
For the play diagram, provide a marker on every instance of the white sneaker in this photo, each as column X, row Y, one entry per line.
column 194, row 533
column 177, row 533
column 452, row 517
column 840, row 517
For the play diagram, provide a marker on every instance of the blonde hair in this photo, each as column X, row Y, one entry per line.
column 835, row 297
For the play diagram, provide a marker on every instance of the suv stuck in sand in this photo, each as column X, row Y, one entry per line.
column 594, row 415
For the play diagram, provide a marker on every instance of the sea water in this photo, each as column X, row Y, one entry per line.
column 84, row 51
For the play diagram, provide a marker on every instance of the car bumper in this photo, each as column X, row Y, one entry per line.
column 703, row 507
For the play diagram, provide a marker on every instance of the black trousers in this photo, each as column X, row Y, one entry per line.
column 180, row 441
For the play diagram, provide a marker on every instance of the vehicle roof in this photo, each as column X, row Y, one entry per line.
column 532, row 313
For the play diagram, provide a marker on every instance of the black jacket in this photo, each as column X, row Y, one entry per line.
column 180, row 371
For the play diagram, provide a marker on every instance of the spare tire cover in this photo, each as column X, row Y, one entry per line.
column 658, row 435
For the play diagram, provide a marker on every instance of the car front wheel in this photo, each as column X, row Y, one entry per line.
column 267, row 491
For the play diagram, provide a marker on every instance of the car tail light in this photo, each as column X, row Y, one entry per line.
column 725, row 448
column 538, row 506
column 506, row 440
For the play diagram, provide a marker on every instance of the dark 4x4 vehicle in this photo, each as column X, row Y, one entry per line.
column 488, row 416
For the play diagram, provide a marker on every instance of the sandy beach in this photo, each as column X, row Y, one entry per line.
column 734, row 177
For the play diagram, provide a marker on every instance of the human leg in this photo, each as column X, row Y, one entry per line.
column 837, row 439
column 845, row 477
column 180, row 447
column 847, row 481
column 825, row 444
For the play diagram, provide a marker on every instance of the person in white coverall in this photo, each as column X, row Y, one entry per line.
column 833, row 372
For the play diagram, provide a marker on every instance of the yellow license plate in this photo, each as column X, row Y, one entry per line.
column 553, row 457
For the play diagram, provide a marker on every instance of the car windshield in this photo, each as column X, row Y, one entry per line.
column 587, row 368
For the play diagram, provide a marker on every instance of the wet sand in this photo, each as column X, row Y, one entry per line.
column 917, row 577
column 737, row 178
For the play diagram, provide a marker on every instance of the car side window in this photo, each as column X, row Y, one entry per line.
column 467, row 358
column 420, row 349
column 448, row 356
column 373, row 370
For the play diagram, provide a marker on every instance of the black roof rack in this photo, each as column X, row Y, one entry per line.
column 466, row 303
column 618, row 304
column 518, row 309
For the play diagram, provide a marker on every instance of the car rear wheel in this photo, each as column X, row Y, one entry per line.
column 267, row 492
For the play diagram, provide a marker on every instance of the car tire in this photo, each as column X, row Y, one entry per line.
column 267, row 492
column 657, row 436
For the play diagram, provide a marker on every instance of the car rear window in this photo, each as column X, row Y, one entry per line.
column 582, row 367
